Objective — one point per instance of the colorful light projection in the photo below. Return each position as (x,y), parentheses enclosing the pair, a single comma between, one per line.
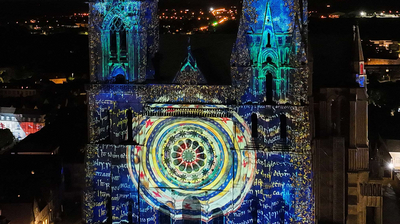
(21,129)
(279,192)
(118,52)
(184,157)
(270,44)
(190,168)
(193,161)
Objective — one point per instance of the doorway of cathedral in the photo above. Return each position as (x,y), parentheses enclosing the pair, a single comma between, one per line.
(191,210)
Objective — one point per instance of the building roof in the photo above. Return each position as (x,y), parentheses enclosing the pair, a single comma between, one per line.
(189,70)
(212,53)
(381,61)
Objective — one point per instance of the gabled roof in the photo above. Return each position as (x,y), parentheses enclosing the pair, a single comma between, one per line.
(212,54)
(189,73)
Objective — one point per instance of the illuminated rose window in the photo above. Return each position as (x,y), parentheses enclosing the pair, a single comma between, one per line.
(188,156)
(192,158)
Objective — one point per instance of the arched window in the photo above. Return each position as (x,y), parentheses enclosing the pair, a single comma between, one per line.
(113,42)
(123,41)
(117,39)
(283,123)
(254,124)
(269,40)
(268,87)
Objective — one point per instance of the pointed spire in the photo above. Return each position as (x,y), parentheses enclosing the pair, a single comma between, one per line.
(358,51)
(189,73)
(358,58)
(189,59)
(189,46)
(268,16)
(268,28)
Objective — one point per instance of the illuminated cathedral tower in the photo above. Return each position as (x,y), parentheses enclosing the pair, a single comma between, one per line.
(123,39)
(189,152)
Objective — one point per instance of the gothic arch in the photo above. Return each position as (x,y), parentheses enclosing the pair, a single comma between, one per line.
(118,70)
(270,69)
(118,13)
(269,53)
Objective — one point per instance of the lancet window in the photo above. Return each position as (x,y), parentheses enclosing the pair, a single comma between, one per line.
(118,45)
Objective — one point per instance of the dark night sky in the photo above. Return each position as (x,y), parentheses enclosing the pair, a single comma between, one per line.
(14,9)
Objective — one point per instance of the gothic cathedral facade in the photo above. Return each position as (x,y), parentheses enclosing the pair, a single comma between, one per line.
(189,152)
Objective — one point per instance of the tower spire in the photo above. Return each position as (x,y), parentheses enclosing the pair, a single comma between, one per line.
(268,29)
(189,72)
(358,58)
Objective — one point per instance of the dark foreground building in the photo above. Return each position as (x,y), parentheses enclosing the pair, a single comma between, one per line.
(192,150)
(346,184)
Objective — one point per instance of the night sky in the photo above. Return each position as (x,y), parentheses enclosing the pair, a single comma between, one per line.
(21,9)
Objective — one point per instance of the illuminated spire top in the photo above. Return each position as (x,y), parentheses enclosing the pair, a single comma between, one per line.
(189,73)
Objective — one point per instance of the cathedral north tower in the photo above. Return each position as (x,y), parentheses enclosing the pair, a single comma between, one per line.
(123,39)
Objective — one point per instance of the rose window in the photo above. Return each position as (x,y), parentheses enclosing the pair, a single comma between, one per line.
(188,156)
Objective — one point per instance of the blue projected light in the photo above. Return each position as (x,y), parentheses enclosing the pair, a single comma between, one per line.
(193,152)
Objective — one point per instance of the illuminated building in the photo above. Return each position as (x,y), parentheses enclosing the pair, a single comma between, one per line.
(16,91)
(21,122)
(58,80)
(385,63)
(191,152)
